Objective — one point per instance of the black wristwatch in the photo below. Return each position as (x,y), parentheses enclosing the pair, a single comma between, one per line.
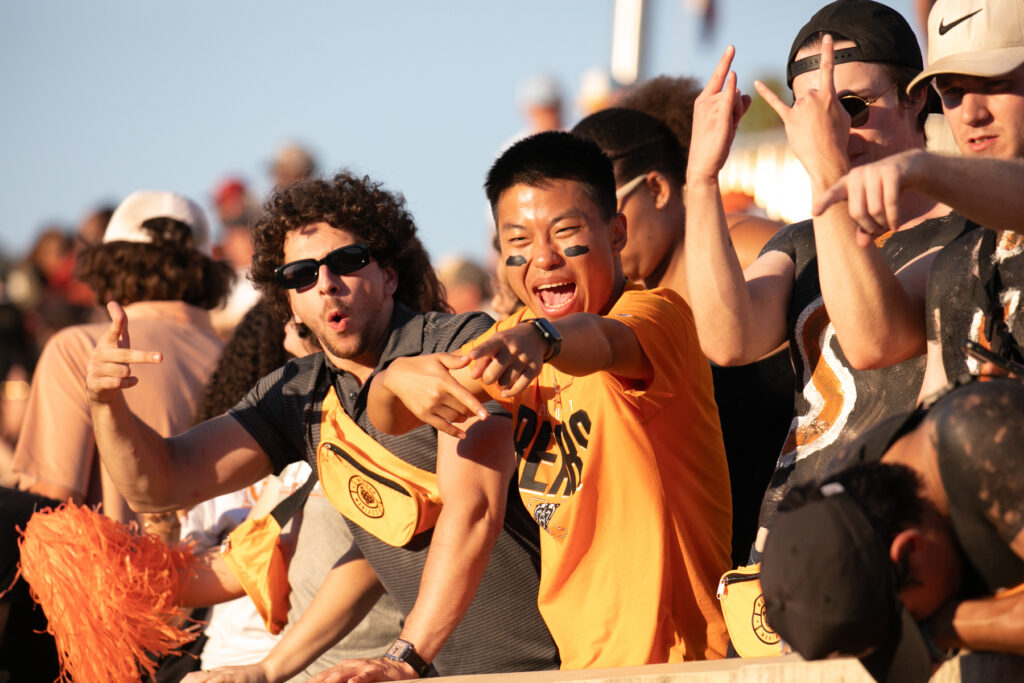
(404,651)
(549,334)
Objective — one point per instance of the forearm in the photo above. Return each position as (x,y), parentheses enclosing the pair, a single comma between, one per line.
(472,476)
(593,343)
(135,456)
(987,191)
(992,624)
(346,596)
(723,308)
(386,411)
(212,582)
(459,553)
(877,321)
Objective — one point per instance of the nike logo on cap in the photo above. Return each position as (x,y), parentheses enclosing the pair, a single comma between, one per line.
(944,27)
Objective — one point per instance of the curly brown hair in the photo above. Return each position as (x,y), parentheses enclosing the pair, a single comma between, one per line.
(361,207)
(670,100)
(256,349)
(167,269)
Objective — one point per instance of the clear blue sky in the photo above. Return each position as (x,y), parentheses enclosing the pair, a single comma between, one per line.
(101,98)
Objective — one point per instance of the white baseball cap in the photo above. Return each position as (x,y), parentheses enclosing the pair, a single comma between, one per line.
(126,223)
(974,37)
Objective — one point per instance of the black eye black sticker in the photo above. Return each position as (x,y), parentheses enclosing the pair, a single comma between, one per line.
(578,250)
(515,261)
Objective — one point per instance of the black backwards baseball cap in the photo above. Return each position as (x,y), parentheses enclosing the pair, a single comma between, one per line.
(881,34)
(830,589)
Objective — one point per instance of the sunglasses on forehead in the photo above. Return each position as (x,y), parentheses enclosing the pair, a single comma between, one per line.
(858,108)
(341,261)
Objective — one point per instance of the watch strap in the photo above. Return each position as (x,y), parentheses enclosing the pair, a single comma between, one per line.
(404,651)
(550,335)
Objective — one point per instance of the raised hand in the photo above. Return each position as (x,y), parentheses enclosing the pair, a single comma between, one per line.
(429,391)
(716,114)
(109,369)
(510,358)
(817,126)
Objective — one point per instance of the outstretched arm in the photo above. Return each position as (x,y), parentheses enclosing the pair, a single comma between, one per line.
(878,318)
(740,315)
(155,474)
(443,389)
(986,191)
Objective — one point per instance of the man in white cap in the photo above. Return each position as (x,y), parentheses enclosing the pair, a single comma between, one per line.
(154,260)
(976,64)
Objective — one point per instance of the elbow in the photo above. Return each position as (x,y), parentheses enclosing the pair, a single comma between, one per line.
(726,355)
(871,357)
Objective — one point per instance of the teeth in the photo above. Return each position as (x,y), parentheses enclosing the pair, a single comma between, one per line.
(552,285)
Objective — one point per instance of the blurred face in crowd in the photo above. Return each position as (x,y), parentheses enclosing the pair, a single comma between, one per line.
(348,314)
(986,115)
(653,231)
(890,127)
(560,255)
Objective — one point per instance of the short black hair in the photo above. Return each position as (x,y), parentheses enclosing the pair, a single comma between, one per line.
(554,155)
(888,494)
(636,143)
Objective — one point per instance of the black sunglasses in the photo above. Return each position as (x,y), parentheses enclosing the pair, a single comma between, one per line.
(858,108)
(340,262)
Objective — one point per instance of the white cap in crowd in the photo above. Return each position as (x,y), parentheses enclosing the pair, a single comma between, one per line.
(126,223)
(974,37)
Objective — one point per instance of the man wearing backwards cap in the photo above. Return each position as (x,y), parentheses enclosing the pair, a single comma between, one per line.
(976,64)
(916,547)
(154,260)
(814,282)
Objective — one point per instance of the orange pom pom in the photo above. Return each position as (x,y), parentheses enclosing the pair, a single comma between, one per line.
(107,591)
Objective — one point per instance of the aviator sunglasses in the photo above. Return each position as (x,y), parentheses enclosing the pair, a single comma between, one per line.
(858,108)
(340,262)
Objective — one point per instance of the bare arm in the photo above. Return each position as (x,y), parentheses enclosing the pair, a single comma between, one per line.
(740,316)
(877,321)
(155,474)
(995,624)
(443,389)
(347,594)
(987,191)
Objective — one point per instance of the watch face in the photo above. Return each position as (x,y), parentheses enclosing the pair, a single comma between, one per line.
(398,650)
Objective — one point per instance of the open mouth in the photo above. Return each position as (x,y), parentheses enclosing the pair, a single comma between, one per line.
(336,320)
(555,296)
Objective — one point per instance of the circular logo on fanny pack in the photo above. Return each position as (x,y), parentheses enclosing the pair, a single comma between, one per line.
(759,621)
(365,496)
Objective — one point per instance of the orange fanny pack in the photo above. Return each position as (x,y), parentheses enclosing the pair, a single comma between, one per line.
(253,553)
(369,484)
(739,593)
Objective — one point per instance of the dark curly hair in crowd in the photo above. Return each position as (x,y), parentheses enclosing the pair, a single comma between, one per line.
(167,269)
(637,143)
(361,207)
(256,349)
(670,100)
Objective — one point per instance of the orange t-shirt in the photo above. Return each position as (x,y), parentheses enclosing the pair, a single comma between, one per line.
(631,486)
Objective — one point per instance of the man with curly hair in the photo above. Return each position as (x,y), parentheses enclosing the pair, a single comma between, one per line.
(342,258)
